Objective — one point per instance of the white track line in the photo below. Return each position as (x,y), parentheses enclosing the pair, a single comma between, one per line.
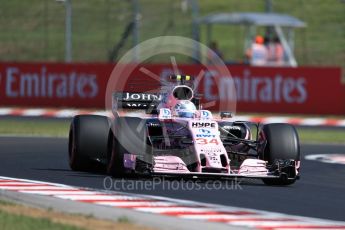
(217,216)
(170,207)
(69,113)
(35,188)
(95,197)
(57,192)
(133,203)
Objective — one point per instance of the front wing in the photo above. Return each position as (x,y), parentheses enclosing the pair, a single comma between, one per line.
(195,175)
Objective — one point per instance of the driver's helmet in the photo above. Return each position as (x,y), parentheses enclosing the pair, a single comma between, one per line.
(185,108)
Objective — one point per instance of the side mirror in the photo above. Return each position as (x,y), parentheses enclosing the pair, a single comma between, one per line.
(152,111)
(226,115)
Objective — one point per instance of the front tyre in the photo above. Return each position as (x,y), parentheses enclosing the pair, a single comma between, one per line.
(129,137)
(88,138)
(282,147)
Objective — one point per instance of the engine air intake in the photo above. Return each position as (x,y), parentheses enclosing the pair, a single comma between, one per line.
(183,93)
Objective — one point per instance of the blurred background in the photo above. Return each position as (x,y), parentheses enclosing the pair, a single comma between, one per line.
(103,30)
(56,57)
(60,53)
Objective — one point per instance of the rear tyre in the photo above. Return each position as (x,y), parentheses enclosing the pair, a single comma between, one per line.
(88,138)
(128,137)
(282,144)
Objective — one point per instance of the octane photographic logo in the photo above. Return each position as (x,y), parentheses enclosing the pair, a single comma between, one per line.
(169,46)
(163,184)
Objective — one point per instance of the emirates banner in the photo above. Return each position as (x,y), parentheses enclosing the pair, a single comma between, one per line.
(302,90)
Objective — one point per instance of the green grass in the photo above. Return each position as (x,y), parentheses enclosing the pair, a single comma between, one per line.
(317,135)
(123,219)
(321,135)
(15,216)
(57,128)
(60,128)
(19,222)
(34,30)
(5,202)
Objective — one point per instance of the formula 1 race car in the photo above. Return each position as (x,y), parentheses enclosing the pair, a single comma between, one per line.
(175,137)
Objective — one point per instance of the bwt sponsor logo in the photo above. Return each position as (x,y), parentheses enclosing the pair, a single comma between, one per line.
(249,88)
(205,133)
(43,84)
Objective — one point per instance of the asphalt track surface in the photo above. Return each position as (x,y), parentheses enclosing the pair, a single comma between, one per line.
(320,193)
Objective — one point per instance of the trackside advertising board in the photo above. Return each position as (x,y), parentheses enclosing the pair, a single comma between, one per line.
(302,90)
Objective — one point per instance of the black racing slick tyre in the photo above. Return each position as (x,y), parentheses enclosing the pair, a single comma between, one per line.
(282,143)
(88,139)
(128,136)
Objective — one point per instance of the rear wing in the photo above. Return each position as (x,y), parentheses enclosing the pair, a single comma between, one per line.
(141,101)
(136,101)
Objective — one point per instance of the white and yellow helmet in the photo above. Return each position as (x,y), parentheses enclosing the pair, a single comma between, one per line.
(185,108)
